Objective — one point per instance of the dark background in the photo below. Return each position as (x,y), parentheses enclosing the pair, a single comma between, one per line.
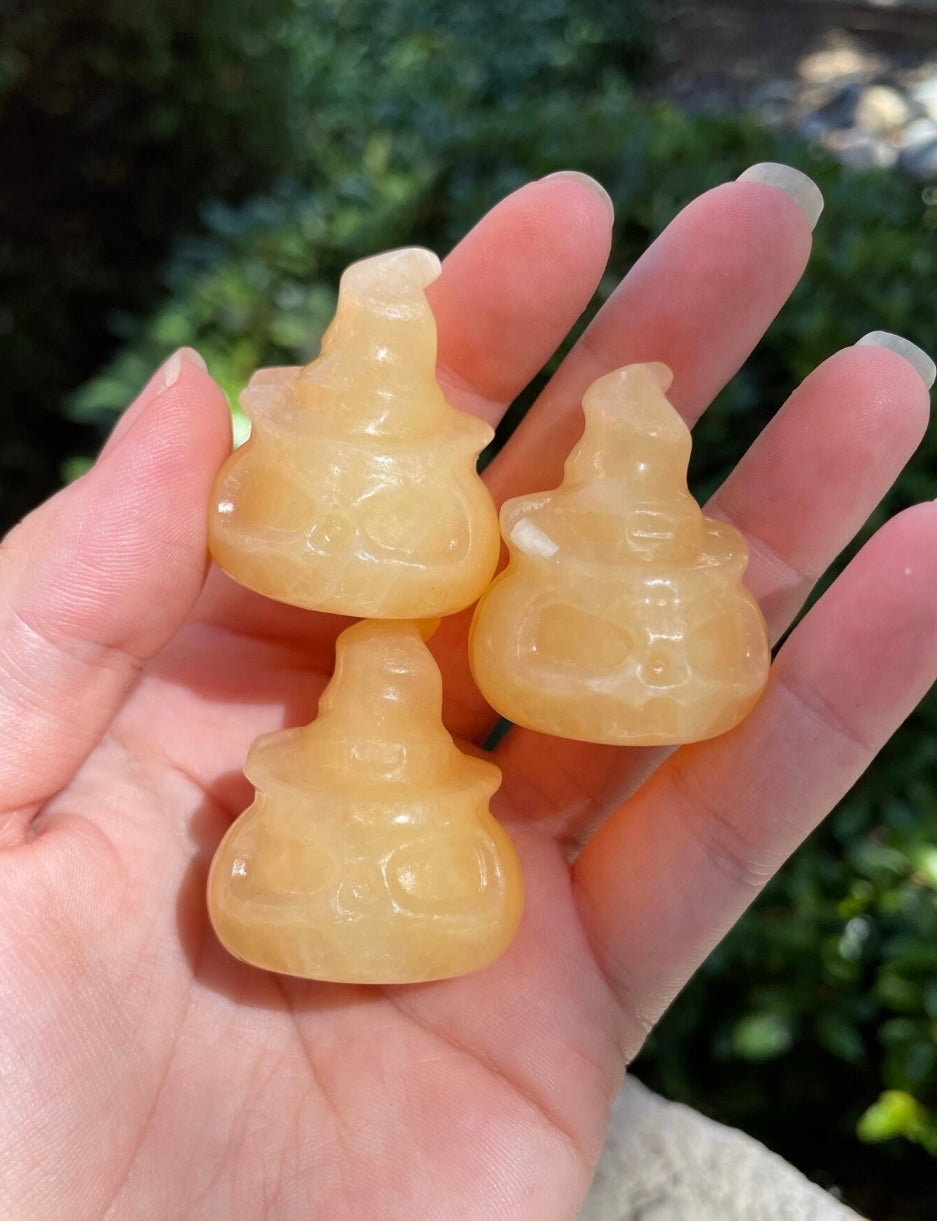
(202,173)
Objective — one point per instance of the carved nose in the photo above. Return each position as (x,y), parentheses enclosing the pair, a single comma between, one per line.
(664,668)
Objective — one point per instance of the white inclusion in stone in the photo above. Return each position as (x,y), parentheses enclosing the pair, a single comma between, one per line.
(611,683)
(226,506)
(531,539)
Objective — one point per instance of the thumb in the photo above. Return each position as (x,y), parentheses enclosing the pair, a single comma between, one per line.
(96,580)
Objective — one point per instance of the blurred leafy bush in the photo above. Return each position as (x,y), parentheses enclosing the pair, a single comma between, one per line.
(814,1024)
(118,120)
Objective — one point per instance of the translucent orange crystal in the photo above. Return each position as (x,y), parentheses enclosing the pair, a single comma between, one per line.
(369,854)
(357,492)
(621,617)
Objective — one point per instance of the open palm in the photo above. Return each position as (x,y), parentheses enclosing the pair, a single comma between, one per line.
(145,1073)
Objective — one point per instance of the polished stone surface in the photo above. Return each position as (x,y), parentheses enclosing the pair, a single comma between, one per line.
(357,491)
(369,854)
(621,617)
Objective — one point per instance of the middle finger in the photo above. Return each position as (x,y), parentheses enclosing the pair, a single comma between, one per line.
(699,300)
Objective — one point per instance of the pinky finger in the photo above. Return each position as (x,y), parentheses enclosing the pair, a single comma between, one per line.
(670,872)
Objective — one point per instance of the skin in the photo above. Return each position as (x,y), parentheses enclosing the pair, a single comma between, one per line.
(141,1067)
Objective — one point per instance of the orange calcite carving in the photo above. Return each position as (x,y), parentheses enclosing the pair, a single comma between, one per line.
(621,616)
(357,492)
(369,854)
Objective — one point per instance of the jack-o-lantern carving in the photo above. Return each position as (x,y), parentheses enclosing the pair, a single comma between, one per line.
(357,491)
(369,854)
(621,617)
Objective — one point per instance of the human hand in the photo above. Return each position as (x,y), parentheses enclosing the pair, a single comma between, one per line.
(143,1071)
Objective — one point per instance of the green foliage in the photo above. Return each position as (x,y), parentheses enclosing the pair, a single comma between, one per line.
(894,1114)
(405,119)
(402,123)
(834,973)
(116,121)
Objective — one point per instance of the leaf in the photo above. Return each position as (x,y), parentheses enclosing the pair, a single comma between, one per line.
(895,1113)
(762,1036)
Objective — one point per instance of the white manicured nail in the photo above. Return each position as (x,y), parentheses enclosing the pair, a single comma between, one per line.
(904,347)
(803,190)
(173,366)
(585,180)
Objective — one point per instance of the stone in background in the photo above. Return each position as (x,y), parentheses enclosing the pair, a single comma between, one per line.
(858,79)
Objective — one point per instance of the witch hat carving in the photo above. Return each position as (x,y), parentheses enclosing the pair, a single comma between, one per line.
(621,616)
(369,854)
(357,492)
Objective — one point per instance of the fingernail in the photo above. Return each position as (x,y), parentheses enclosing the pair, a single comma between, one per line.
(904,347)
(173,366)
(803,190)
(165,376)
(585,180)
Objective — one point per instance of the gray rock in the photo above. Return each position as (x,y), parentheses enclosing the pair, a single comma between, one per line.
(664,1162)
(924,94)
(841,63)
(772,102)
(812,127)
(861,151)
(881,110)
(921,161)
(840,110)
(919,149)
(918,133)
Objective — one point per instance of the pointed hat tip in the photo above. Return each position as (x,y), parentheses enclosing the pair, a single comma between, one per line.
(633,399)
(629,381)
(382,658)
(410,267)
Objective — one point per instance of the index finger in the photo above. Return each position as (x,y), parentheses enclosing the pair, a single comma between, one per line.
(512,288)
